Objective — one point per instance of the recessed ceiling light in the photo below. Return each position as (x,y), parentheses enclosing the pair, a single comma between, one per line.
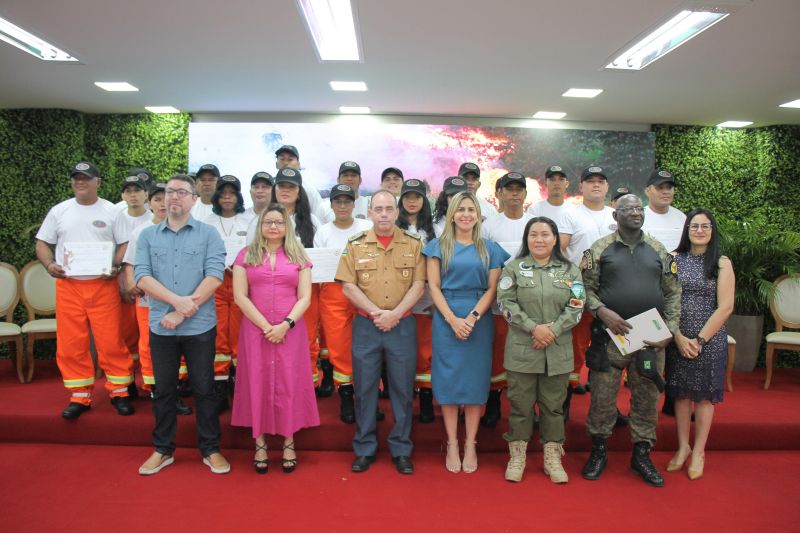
(665,38)
(582,93)
(116,86)
(161,109)
(332,28)
(348,86)
(793,103)
(354,110)
(549,115)
(27,42)
(734,124)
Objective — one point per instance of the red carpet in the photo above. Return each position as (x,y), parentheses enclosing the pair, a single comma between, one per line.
(749,418)
(95,488)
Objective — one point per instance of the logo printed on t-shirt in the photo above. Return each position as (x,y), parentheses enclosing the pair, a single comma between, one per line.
(99,224)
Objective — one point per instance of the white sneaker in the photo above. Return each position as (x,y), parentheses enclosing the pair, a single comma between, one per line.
(166,460)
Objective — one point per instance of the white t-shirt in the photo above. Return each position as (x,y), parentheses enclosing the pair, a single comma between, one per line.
(666,228)
(556,213)
(233,231)
(201,211)
(500,228)
(438,227)
(130,251)
(588,226)
(487,209)
(425,302)
(361,208)
(70,221)
(330,236)
(123,205)
(124,224)
(319,206)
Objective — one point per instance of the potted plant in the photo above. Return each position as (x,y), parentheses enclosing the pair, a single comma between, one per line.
(760,253)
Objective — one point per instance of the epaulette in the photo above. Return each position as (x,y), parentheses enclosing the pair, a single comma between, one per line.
(414,235)
(357,236)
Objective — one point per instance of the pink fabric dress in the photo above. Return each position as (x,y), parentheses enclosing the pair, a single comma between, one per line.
(274,391)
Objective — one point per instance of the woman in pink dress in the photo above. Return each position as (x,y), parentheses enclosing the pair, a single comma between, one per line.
(272,287)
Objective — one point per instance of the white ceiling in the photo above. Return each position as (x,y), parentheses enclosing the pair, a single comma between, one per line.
(501,58)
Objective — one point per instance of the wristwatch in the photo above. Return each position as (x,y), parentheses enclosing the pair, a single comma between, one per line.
(701,341)
(289,321)
(476,314)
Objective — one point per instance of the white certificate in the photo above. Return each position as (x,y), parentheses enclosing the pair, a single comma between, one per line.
(647,326)
(511,247)
(233,245)
(88,258)
(325,261)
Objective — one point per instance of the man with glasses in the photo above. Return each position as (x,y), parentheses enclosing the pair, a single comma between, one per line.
(179,264)
(626,273)
(382,272)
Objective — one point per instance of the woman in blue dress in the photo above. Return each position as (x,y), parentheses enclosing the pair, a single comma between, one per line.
(463,270)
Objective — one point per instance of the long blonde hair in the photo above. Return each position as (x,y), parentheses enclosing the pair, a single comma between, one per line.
(293,248)
(447,241)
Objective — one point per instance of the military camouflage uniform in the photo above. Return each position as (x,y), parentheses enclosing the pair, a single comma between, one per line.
(629,279)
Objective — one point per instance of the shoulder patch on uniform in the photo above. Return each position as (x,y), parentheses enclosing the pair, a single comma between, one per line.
(586,261)
(357,236)
(505,283)
(670,265)
(414,235)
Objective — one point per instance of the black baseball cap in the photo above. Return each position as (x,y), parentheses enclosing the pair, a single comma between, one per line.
(660,176)
(454,185)
(469,168)
(620,192)
(513,177)
(413,185)
(349,166)
(289,175)
(142,173)
(156,187)
(263,176)
(288,148)
(554,169)
(85,168)
(208,167)
(342,190)
(136,181)
(392,169)
(593,170)
(227,179)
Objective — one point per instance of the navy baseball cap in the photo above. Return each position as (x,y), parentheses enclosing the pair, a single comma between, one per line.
(342,190)
(227,179)
(513,177)
(413,185)
(262,176)
(469,168)
(392,169)
(289,175)
(85,168)
(136,181)
(554,169)
(660,176)
(454,185)
(620,192)
(208,167)
(349,166)
(288,148)
(155,188)
(593,170)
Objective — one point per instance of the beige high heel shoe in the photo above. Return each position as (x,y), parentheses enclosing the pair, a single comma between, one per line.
(676,463)
(694,472)
(453,465)
(472,465)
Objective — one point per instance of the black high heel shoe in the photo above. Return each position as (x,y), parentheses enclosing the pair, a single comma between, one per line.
(288,465)
(261,466)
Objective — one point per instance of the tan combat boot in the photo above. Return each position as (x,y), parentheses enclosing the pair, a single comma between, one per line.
(553,452)
(516,464)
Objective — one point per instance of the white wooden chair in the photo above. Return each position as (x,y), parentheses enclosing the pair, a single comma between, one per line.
(785,308)
(9,298)
(39,297)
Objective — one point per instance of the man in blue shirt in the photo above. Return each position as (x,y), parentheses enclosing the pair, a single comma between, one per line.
(179,264)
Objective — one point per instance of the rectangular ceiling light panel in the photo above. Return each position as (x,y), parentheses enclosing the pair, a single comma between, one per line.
(793,103)
(549,115)
(27,42)
(116,86)
(734,124)
(665,39)
(354,110)
(332,27)
(161,109)
(582,93)
(348,86)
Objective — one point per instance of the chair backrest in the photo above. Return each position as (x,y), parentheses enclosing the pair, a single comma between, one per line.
(38,290)
(785,306)
(9,291)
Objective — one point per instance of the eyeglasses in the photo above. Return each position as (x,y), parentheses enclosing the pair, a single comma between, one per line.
(180,193)
(276,223)
(704,227)
(631,210)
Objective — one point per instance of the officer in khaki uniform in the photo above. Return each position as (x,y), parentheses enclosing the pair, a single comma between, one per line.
(626,273)
(383,274)
(532,294)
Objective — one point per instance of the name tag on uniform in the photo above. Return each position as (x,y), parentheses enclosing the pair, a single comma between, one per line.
(526,273)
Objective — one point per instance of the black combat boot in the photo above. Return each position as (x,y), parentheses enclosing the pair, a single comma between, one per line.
(598,459)
(221,392)
(426,406)
(642,465)
(347,410)
(491,416)
(325,388)
(567,401)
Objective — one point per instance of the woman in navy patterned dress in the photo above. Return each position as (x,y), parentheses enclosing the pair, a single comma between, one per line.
(696,369)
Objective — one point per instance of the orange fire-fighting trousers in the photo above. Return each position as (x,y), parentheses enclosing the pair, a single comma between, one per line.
(129,328)
(336,325)
(311,317)
(145,357)
(498,379)
(424,350)
(80,303)
(229,321)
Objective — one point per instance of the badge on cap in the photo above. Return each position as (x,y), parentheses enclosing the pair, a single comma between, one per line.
(471,166)
(458,181)
(595,169)
(345,188)
(288,172)
(207,167)
(515,176)
(82,166)
(349,164)
(132,179)
(228,178)
(556,168)
(664,174)
(413,183)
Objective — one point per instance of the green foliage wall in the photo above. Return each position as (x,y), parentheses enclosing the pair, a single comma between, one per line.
(38,147)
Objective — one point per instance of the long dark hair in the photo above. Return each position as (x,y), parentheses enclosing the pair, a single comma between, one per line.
(303,226)
(217,209)
(441,207)
(524,251)
(424,219)
(713,253)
